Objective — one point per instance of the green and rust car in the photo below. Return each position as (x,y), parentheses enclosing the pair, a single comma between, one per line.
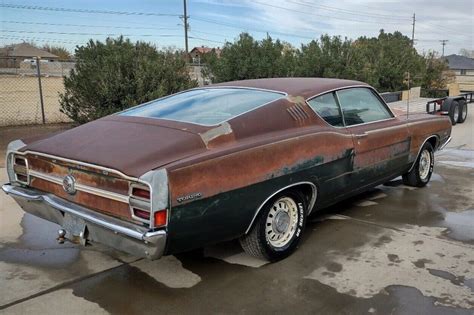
(248,160)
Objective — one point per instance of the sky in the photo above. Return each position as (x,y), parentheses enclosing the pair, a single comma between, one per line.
(213,22)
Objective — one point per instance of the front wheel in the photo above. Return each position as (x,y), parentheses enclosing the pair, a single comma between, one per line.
(278,227)
(421,172)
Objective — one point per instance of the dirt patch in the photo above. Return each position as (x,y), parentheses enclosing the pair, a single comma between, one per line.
(20,100)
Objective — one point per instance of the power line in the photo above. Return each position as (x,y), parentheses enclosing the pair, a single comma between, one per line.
(446,28)
(452,32)
(212,34)
(315,14)
(455,38)
(235,26)
(351,12)
(90,34)
(34,7)
(41,39)
(88,25)
(206,40)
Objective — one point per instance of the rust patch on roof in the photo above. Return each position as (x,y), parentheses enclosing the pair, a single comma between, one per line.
(222,130)
(296,99)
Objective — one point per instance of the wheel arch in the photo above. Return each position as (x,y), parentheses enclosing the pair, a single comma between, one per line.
(307,188)
(433,140)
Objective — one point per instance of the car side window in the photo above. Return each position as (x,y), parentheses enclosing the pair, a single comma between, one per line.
(361,105)
(326,106)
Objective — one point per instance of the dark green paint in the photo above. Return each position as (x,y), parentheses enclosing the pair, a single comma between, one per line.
(227,215)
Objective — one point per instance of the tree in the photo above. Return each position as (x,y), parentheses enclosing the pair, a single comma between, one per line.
(248,58)
(437,74)
(59,51)
(381,61)
(112,76)
(466,52)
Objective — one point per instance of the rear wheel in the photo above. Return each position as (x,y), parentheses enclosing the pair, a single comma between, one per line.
(421,172)
(278,227)
(454,112)
(462,111)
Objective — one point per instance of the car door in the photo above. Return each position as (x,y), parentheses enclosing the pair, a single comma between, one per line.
(381,140)
(336,175)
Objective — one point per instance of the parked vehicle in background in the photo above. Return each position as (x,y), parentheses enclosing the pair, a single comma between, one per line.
(247,159)
(454,107)
(33,61)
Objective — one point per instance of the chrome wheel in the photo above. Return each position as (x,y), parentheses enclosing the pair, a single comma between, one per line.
(424,164)
(456,113)
(281,222)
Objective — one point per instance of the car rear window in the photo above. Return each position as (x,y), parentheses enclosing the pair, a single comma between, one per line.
(206,106)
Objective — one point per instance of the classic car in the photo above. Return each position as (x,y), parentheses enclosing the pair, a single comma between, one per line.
(247,160)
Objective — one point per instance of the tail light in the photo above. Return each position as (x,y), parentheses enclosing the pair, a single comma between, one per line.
(139,200)
(141,214)
(141,193)
(20,169)
(140,206)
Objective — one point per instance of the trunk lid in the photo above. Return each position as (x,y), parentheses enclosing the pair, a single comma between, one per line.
(132,145)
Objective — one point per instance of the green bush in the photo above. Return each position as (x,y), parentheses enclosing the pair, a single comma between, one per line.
(112,76)
(381,61)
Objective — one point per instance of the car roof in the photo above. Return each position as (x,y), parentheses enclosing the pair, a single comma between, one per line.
(305,87)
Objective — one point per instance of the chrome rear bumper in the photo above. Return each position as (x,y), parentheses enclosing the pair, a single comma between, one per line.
(121,235)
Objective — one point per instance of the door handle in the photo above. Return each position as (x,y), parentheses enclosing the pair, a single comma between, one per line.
(362,135)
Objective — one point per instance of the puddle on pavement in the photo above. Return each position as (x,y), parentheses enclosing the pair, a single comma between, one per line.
(448,276)
(414,257)
(409,300)
(447,201)
(237,289)
(456,158)
(38,247)
(460,225)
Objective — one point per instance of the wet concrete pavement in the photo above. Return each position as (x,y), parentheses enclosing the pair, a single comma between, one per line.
(395,249)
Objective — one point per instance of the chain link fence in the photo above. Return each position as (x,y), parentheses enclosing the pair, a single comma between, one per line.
(29,91)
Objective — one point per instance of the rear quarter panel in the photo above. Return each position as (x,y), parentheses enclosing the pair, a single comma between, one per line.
(422,126)
(231,186)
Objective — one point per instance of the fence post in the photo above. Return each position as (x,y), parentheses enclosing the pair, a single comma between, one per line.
(38,71)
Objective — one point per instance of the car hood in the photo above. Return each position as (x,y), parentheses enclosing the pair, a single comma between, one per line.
(131,145)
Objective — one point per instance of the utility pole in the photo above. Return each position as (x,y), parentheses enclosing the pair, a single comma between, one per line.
(185,20)
(413,32)
(443,42)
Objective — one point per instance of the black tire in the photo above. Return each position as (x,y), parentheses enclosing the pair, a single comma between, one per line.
(452,112)
(256,243)
(414,177)
(462,111)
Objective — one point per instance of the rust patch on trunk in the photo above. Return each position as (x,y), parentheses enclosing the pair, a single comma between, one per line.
(93,202)
(83,175)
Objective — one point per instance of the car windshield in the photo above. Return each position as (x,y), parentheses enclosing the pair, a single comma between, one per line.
(206,106)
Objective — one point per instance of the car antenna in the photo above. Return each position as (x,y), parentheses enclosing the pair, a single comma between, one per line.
(408,98)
